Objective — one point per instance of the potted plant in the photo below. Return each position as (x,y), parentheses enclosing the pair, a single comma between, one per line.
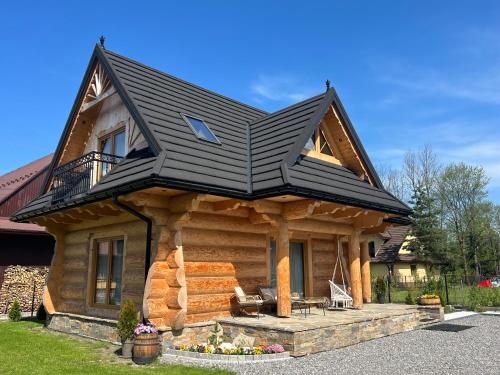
(146,344)
(380,289)
(127,322)
(429,299)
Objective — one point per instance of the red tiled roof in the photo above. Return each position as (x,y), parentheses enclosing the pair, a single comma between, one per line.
(8,226)
(14,180)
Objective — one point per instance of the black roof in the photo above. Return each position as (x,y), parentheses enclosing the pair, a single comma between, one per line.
(259,154)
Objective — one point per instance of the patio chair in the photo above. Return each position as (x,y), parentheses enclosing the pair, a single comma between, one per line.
(268,295)
(339,296)
(244,301)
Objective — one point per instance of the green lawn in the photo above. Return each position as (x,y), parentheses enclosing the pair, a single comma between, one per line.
(28,348)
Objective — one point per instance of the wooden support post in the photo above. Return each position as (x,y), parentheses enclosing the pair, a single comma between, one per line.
(365,273)
(283,271)
(355,271)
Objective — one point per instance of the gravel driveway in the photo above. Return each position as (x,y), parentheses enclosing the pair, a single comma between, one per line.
(472,351)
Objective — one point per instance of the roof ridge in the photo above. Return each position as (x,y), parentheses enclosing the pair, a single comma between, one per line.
(248,106)
(282,110)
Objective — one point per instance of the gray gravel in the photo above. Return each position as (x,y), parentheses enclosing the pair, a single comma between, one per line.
(472,351)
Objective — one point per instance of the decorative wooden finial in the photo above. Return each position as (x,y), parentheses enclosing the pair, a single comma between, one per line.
(101,40)
(327,83)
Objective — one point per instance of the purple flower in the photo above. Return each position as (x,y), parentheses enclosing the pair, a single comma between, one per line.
(275,348)
(145,328)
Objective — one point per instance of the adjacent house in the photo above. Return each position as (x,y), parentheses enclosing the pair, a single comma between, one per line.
(393,258)
(170,195)
(25,249)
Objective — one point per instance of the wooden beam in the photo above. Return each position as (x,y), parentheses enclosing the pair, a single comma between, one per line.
(230,204)
(89,105)
(355,270)
(379,229)
(347,213)
(365,273)
(327,208)
(283,271)
(315,226)
(185,202)
(299,209)
(368,219)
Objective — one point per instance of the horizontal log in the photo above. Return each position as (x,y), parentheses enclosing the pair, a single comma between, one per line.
(75,292)
(209,303)
(226,223)
(156,288)
(204,317)
(75,264)
(155,308)
(176,298)
(323,245)
(224,254)
(218,269)
(75,277)
(219,285)
(321,257)
(317,226)
(202,237)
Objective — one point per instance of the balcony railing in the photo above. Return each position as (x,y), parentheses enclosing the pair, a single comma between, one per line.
(79,175)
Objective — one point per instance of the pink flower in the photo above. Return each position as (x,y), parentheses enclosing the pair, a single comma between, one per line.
(145,328)
(275,348)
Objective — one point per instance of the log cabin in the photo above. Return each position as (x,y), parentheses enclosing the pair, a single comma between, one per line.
(170,195)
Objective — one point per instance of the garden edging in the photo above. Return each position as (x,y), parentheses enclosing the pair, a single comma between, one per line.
(224,358)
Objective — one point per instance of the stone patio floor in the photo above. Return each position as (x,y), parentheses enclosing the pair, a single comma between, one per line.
(297,322)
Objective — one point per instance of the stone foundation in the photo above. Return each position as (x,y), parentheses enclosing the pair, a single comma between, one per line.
(84,326)
(313,334)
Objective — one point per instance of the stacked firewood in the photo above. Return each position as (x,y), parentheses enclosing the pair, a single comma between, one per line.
(24,283)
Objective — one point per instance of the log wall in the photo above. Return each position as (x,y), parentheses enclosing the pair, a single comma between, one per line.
(217,260)
(74,291)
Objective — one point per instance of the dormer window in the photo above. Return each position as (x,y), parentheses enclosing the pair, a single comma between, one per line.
(113,143)
(200,129)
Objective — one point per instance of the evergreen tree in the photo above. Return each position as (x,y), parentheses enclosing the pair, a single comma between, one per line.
(427,238)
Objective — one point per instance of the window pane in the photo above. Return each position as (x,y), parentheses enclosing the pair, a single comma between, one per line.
(309,145)
(201,129)
(106,146)
(119,144)
(115,290)
(101,272)
(106,149)
(273,263)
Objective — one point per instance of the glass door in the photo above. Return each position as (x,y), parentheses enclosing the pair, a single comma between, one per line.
(297,268)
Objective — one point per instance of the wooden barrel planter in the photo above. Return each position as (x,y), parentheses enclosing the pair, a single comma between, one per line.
(429,301)
(146,348)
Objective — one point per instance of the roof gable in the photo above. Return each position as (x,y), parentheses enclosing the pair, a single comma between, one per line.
(98,77)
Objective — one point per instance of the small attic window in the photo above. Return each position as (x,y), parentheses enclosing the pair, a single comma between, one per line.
(200,129)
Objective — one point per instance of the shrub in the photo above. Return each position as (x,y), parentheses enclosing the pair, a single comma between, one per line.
(41,314)
(409,300)
(127,320)
(15,311)
(380,286)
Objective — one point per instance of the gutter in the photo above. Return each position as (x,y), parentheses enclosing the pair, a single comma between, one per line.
(149,225)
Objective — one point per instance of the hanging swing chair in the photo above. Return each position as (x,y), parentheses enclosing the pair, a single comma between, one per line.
(338,292)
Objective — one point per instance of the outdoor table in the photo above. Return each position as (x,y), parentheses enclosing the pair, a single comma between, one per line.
(305,303)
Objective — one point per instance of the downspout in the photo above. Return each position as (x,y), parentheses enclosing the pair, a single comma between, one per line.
(149,225)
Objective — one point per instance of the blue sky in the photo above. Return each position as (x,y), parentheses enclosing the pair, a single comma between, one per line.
(409,73)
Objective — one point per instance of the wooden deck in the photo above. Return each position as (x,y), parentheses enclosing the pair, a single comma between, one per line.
(338,328)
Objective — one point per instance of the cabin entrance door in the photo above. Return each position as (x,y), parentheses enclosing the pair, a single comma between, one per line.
(297,268)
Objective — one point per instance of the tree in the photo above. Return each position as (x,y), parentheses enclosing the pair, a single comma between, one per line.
(427,237)
(462,191)
(393,181)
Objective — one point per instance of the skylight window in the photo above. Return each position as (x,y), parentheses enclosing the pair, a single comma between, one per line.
(200,129)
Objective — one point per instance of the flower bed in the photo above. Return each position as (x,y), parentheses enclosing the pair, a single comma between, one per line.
(228,353)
